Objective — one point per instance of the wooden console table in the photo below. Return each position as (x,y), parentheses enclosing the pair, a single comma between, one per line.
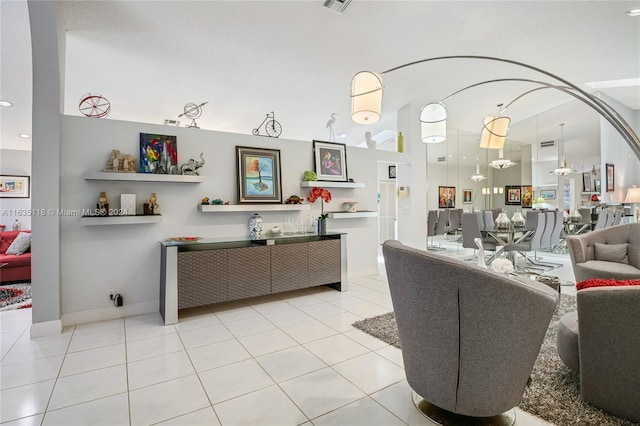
(214,270)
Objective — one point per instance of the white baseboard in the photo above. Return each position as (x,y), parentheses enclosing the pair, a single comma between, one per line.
(83,317)
(364,272)
(48,328)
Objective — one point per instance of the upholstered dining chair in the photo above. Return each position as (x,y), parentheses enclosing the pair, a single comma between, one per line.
(487,216)
(558,225)
(469,336)
(611,216)
(535,221)
(602,219)
(443,221)
(432,221)
(471,231)
(549,224)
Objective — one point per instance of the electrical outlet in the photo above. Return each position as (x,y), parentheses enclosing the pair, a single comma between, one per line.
(111,293)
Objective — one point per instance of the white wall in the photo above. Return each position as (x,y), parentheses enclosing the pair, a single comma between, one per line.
(15,162)
(127,257)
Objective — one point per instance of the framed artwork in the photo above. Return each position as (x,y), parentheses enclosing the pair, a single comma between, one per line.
(158,154)
(330,161)
(611,183)
(526,197)
(548,194)
(259,178)
(586,182)
(14,186)
(446,197)
(596,185)
(512,195)
(392,172)
(467,196)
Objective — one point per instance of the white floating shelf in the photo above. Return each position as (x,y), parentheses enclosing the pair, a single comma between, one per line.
(211,208)
(120,220)
(142,177)
(316,183)
(347,215)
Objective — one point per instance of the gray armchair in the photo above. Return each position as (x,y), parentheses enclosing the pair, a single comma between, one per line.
(469,336)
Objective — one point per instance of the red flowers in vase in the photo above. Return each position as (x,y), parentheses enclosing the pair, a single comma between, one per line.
(324,195)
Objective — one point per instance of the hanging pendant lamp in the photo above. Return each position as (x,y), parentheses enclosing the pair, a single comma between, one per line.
(494,132)
(433,119)
(562,169)
(366,97)
(501,163)
(477,177)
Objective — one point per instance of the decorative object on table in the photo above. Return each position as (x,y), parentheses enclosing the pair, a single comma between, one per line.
(276,230)
(192,111)
(309,176)
(128,204)
(400,142)
(102,205)
(502,265)
(330,161)
(595,197)
(518,219)
(226,203)
(205,200)
(502,221)
(271,126)
(94,105)
(255,226)
(596,185)
(294,199)
(371,144)
(191,167)
(259,179)
(16,225)
(121,163)
(586,182)
(14,186)
(158,154)
(446,197)
(392,172)
(480,246)
(332,135)
(512,195)
(325,196)
(349,206)
(217,202)
(575,216)
(526,197)
(548,194)
(467,196)
(611,186)
(149,208)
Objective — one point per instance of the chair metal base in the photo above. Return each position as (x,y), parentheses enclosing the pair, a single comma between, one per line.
(447,418)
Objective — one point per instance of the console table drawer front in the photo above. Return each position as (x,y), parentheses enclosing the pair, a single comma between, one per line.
(249,272)
(324,262)
(289,267)
(202,278)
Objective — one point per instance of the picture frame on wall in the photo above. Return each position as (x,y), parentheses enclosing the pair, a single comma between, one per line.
(548,194)
(611,182)
(467,196)
(12,186)
(259,175)
(159,154)
(392,172)
(526,197)
(513,195)
(330,161)
(447,197)
(586,182)
(596,185)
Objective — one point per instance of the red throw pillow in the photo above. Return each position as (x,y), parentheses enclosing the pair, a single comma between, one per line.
(601,282)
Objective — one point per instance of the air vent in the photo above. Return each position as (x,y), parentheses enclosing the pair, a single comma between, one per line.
(442,159)
(548,144)
(337,5)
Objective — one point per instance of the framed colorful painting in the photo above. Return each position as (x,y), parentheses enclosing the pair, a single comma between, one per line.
(446,197)
(14,186)
(259,177)
(330,161)
(467,196)
(158,154)
(611,182)
(526,197)
(512,195)
(548,194)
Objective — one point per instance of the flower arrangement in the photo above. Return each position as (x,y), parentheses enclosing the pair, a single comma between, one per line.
(324,195)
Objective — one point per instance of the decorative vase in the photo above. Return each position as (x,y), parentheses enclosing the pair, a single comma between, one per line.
(17,225)
(400,142)
(349,206)
(322,226)
(502,221)
(575,216)
(518,219)
(255,226)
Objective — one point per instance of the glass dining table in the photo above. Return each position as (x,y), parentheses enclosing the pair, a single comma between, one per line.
(505,237)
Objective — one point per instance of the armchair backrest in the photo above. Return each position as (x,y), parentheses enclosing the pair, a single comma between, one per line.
(469,336)
(581,247)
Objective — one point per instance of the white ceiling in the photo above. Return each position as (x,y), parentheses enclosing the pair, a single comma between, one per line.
(248,58)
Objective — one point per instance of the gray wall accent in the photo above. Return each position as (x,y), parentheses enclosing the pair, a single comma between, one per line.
(15,162)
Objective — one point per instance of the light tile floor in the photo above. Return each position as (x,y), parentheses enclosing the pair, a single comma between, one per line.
(292,358)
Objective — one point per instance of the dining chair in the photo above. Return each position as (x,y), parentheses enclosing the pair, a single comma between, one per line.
(455,221)
(487,216)
(617,217)
(550,222)
(443,222)
(535,221)
(610,218)
(432,221)
(557,229)
(471,231)
(602,220)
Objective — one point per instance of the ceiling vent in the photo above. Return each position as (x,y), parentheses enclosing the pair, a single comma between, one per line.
(442,159)
(337,5)
(548,144)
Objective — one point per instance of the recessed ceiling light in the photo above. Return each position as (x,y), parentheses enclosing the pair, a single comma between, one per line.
(633,12)
(5,103)
(24,135)
(343,135)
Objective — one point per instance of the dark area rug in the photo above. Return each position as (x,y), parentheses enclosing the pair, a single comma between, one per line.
(554,393)
(15,296)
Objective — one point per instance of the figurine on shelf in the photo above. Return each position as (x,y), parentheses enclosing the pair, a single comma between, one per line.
(149,208)
(191,167)
(103,205)
(217,202)
(120,163)
(226,203)
(205,200)
(294,199)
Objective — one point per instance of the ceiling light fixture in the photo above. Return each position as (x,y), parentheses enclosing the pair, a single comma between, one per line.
(433,120)
(24,135)
(477,177)
(562,169)
(633,12)
(366,95)
(501,163)
(5,103)
(494,131)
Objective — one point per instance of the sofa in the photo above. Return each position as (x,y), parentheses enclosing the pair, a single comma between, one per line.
(18,267)
(612,252)
(599,341)
(469,336)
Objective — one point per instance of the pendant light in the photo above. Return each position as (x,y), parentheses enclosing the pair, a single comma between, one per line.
(494,131)
(433,123)
(562,169)
(366,97)
(501,163)
(477,177)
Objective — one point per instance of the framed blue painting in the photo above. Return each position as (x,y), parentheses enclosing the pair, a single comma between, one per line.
(259,178)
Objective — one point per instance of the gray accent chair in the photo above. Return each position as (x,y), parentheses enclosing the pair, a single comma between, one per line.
(469,336)
(599,341)
(535,221)
(590,256)
(602,220)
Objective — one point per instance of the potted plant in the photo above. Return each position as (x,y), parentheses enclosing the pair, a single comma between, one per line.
(326,197)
